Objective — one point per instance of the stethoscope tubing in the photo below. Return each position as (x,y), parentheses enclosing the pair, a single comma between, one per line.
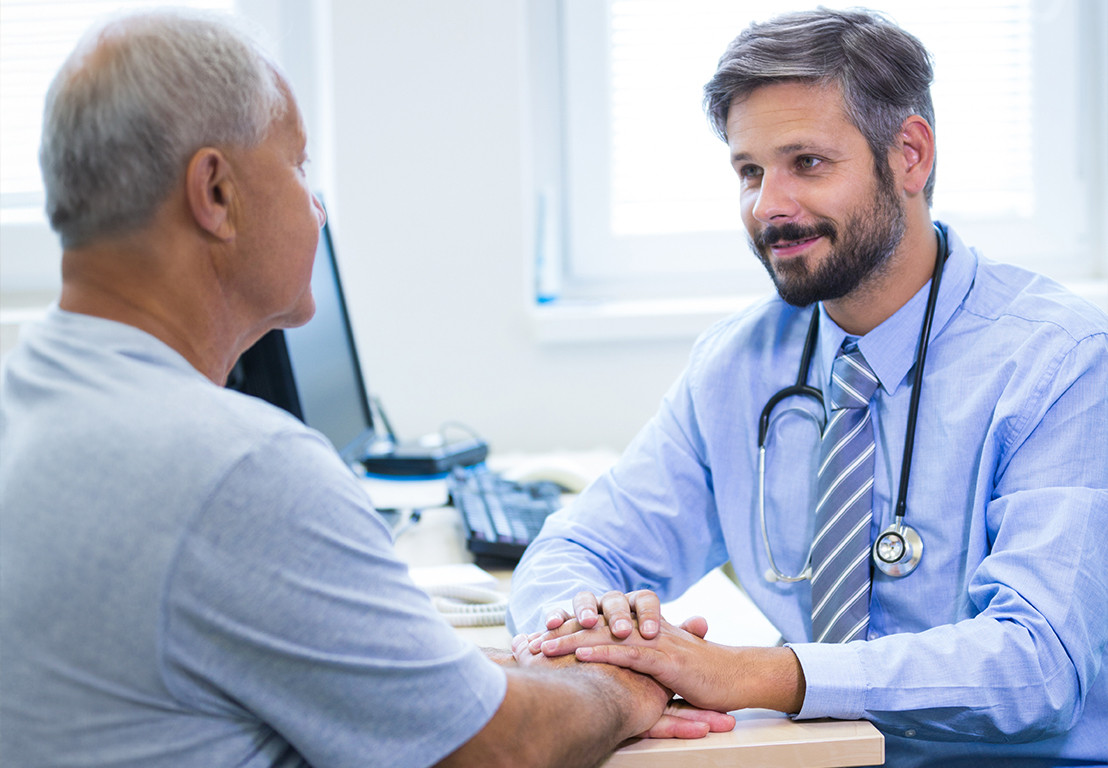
(802,389)
(917,385)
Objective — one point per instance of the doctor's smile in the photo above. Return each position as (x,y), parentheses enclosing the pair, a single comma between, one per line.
(793,239)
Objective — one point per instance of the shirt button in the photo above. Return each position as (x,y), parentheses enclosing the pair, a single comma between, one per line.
(910,732)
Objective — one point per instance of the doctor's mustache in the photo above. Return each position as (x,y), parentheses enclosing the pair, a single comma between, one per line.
(792,232)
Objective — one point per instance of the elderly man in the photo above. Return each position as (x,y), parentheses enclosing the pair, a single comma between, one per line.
(938,566)
(191,577)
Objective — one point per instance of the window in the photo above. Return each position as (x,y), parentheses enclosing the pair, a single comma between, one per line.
(651,203)
(36,36)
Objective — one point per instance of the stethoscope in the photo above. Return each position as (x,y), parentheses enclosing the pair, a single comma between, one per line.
(898,549)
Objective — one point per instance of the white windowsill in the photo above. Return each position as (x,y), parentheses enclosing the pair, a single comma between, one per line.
(569,322)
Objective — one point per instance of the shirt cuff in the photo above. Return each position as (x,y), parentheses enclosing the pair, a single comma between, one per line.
(834,681)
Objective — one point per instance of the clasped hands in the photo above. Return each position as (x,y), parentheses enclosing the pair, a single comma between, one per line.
(627,630)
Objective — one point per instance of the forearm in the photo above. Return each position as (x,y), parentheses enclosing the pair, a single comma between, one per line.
(620,551)
(649,523)
(574,715)
(552,571)
(595,704)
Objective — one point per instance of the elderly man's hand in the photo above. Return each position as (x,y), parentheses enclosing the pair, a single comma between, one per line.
(679,720)
(621,611)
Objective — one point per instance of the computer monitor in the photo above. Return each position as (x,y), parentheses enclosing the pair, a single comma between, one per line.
(313,372)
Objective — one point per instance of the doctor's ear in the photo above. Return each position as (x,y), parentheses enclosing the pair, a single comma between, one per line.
(210,191)
(913,153)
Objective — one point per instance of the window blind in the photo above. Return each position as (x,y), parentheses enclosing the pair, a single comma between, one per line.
(669,173)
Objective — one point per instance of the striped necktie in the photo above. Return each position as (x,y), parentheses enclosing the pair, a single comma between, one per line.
(840,550)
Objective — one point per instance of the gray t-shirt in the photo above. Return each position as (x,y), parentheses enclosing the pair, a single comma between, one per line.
(191,577)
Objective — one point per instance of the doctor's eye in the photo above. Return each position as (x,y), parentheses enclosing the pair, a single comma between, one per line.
(749,172)
(808,162)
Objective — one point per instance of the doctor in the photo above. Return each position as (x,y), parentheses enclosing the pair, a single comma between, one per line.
(976,631)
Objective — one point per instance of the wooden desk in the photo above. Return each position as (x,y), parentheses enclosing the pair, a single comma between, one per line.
(760,737)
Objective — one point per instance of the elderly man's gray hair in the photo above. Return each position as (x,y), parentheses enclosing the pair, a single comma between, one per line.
(134,101)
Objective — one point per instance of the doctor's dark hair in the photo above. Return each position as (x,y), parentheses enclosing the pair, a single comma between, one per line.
(883,72)
(131,105)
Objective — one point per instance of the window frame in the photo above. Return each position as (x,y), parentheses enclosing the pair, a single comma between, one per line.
(30,269)
(594,266)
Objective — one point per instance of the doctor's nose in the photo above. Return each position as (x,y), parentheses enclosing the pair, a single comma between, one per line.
(775,202)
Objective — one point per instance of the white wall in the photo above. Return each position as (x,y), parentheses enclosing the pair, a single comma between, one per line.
(431,210)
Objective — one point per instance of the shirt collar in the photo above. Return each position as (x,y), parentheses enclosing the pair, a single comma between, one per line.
(890,348)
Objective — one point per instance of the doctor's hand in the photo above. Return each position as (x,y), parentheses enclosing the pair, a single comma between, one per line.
(623,613)
(707,675)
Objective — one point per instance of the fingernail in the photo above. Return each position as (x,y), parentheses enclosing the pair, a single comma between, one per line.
(623,625)
(649,627)
(584,653)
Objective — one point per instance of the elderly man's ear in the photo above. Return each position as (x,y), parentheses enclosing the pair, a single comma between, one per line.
(210,193)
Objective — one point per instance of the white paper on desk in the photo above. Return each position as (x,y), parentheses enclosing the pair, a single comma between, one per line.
(732,618)
(405,494)
(452,575)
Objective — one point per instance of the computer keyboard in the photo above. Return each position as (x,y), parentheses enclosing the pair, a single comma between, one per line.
(501,516)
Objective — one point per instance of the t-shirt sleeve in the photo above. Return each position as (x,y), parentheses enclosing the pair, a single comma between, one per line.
(286,604)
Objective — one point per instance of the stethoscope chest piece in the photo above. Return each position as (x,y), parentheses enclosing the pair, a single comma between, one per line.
(897,551)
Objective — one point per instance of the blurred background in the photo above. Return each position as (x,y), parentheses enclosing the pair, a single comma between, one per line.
(532,216)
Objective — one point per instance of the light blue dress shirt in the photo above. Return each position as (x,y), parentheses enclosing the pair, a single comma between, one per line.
(993,647)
